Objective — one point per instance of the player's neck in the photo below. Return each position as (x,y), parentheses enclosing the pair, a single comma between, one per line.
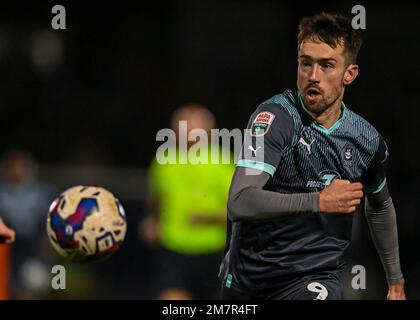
(330,115)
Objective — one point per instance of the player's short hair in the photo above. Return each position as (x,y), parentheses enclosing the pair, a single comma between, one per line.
(334,30)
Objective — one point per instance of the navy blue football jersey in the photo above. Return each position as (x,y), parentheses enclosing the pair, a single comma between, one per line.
(301,156)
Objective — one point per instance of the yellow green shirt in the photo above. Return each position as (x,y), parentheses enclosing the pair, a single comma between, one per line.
(185,189)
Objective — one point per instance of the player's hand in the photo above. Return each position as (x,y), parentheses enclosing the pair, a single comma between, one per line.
(396,292)
(341,196)
(7,235)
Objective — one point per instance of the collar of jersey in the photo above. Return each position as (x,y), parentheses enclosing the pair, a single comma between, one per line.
(320,127)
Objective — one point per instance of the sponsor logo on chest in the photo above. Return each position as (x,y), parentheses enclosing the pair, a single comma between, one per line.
(262,123)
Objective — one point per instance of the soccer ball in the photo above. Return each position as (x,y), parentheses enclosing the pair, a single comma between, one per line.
(86,224)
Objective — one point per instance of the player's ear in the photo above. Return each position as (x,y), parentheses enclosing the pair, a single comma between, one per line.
(350,74)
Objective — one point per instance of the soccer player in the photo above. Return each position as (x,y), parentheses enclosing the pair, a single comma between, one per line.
(306,163)
(7,235)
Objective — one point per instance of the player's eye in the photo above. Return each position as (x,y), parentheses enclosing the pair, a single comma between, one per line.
(305,64)
(327,66)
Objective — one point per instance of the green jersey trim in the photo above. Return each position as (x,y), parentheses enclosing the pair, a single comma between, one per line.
(257,165)
(380,187)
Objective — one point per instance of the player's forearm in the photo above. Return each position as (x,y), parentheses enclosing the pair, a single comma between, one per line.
(257,204)
(382,222)
(249,201)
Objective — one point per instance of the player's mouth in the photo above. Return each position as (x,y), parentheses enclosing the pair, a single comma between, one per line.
(312,94)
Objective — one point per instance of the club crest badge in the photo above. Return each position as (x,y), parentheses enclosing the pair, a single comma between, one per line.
(348,154)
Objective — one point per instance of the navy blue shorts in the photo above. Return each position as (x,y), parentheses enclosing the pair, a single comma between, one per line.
(311,287)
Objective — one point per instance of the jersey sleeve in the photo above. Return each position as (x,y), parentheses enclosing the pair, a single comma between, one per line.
(374,179)
(269,131)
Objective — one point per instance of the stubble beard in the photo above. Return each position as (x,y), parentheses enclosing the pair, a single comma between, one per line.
(324,103)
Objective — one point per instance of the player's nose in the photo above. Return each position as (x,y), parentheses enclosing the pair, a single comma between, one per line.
(313,74)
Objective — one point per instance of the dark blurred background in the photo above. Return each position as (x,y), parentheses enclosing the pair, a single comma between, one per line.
(87,101)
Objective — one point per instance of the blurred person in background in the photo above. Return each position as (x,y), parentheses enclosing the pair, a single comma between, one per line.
(24,203)
(187,215)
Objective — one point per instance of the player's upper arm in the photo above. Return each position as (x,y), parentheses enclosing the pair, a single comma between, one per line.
(270,131)
(374,179)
